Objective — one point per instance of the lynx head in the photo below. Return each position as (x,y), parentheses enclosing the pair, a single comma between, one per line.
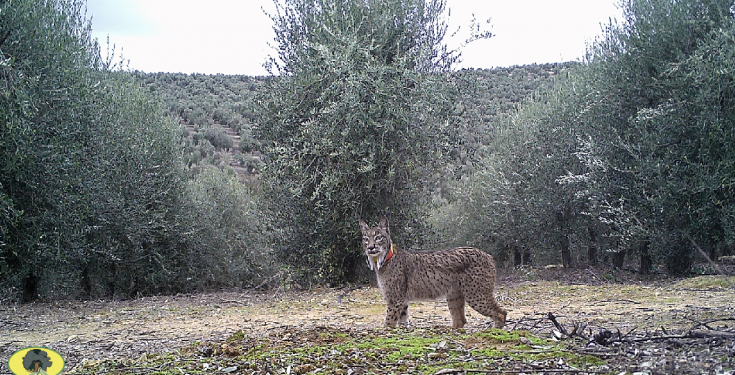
(376,243)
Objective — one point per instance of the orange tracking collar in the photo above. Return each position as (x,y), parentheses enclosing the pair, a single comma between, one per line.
(390,252)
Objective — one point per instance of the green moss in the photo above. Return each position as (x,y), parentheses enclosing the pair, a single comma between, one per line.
(706,282)
(237,336)
(585,360)
(397,347)
(332,336)
(505,337)
(420,351)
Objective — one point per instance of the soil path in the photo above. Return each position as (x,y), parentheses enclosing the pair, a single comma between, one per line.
(96,330)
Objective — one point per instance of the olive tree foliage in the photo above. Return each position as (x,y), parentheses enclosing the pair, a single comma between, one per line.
(630,153)
(34,34)
(659,126)
(90,180)
(226,232)
(357,124)
(513,204)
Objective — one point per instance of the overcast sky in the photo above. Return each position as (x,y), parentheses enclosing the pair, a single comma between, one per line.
(232,36)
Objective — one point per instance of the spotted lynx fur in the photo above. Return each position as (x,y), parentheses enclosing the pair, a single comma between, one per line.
(460,274)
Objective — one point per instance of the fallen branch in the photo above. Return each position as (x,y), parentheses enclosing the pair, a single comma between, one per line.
(578,329)
(603,337)
(700,334)
(704,254)
(528,327)
(706,322)
(607,337)
(558,325)
(620,300)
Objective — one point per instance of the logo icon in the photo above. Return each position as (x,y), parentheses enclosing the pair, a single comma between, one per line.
(36,361)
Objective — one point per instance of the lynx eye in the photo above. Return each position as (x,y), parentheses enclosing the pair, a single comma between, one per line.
(365,239)
(378,238)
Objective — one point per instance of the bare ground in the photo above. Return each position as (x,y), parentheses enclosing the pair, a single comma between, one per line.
(669,326)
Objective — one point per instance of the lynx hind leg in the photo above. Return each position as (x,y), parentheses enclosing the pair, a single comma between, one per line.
(455,300)
(481,299)
(491,309)
(396,313)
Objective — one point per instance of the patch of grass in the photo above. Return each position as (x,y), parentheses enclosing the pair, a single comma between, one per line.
(333,336)
(498,344)
(237,336)
(502,337)
(706,282)
(585,361)
(398,347)
(335,351)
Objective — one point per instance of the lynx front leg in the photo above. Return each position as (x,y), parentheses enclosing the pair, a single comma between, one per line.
(396,312)
(403,318)
(455,300)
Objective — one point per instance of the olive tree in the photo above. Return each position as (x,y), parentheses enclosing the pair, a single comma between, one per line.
(515,203)
(356,125)
(631,149)
(657,127)
(91,185)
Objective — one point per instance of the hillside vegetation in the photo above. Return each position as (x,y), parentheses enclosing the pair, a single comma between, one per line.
(207,106)
(118,184)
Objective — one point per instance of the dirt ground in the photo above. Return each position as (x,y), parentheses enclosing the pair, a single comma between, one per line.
(673,313)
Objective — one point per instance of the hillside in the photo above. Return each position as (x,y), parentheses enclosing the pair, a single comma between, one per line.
(492,96)
(217,112)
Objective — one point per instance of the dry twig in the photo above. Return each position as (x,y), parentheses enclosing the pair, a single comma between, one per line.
(578,329)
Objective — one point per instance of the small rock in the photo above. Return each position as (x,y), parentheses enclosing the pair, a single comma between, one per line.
(442,345)
(557,334)
(205,350)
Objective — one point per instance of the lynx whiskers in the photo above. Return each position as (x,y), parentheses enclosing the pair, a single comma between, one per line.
(462,274)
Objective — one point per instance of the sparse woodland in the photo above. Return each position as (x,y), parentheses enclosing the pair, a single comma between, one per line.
(120,184)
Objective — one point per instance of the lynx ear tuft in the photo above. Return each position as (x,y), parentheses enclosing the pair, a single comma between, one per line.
(384,224)
(363,226)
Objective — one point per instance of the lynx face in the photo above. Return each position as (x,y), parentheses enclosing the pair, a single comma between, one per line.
(376,243)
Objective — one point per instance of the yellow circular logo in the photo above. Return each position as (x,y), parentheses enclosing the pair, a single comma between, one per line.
(36,361)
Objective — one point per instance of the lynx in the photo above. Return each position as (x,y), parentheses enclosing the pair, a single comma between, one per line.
(460,274)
